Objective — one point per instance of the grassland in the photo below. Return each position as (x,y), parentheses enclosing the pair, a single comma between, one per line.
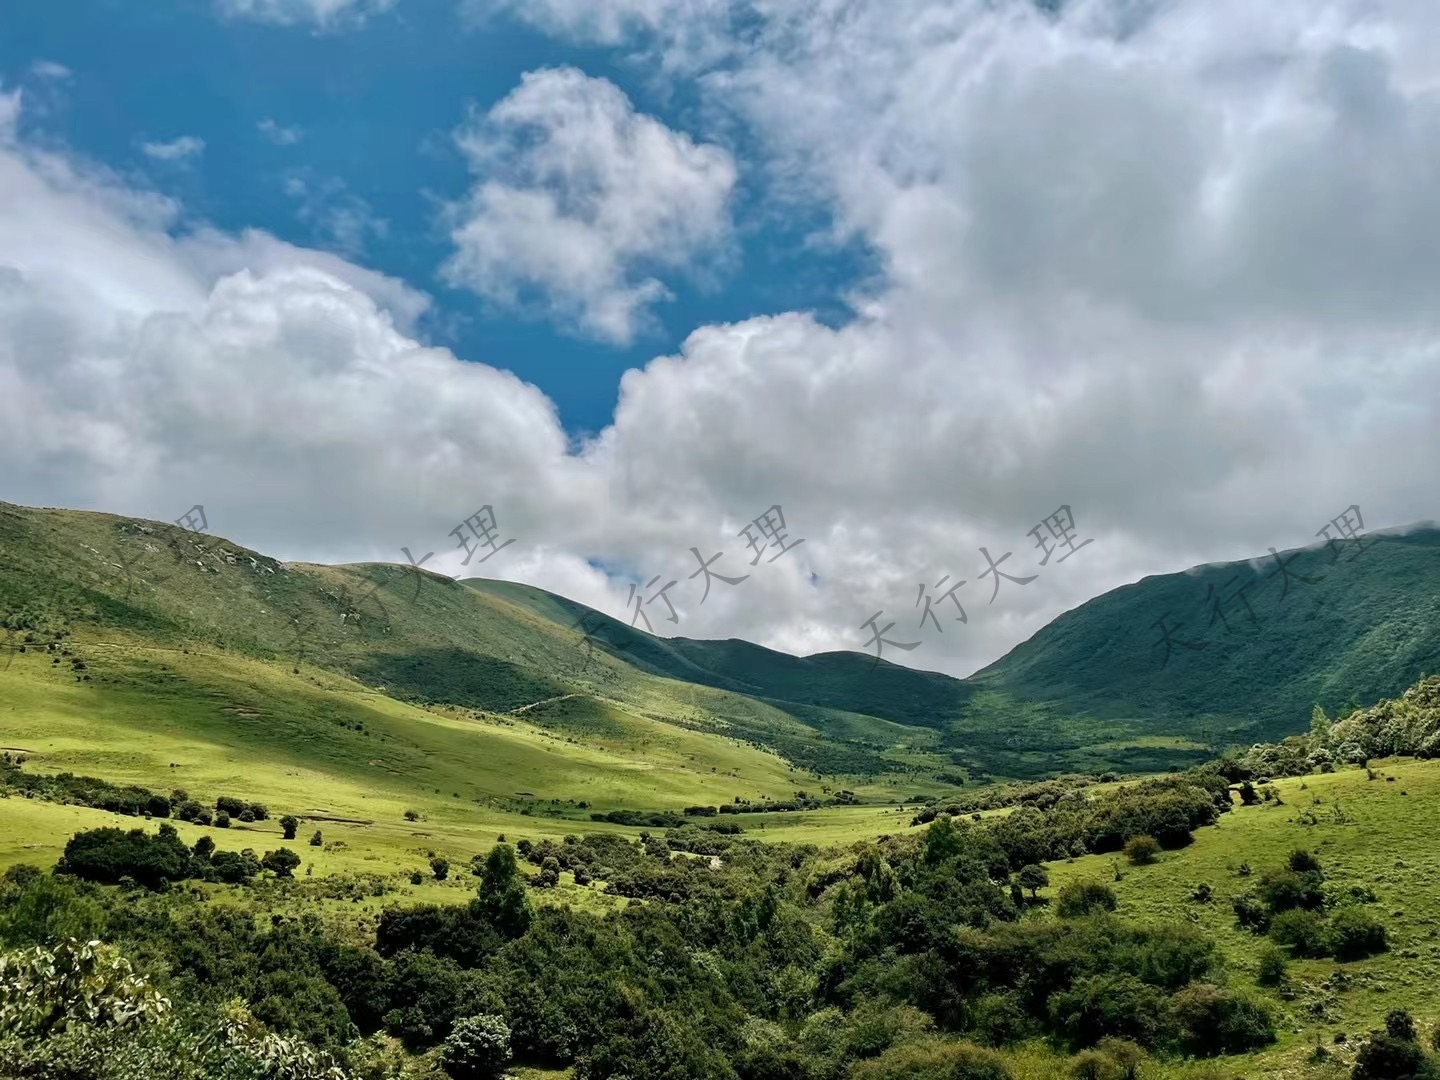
(1377,833)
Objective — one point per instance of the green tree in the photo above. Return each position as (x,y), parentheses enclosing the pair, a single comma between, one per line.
(440,867)
(317,839)
(942,840)
(1034,878)
(502,899)
(281,862)
(289,823)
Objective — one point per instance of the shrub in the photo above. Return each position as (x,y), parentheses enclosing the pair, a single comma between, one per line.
(1214,1021)
(1399,1024)
(1141,850)
(440,867)
(222,820)
(259,811)
(230,805)
(233,868)
(412,814)
(106,855)
(1285,889)
(247,815)
(1083,897)
(1113,1004)
(1271,962)
(289,824)
(477,1048)
(933,1059)
(417,878)
(1355,934)
(317,839)
(1113,1059)
(1385,1057)
(1304,862)
(1304,931)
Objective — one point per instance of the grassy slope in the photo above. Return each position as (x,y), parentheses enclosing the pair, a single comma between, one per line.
(1374,841)
(1370,628)
(1086,693)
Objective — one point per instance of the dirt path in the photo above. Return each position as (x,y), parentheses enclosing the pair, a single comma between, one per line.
(537,704)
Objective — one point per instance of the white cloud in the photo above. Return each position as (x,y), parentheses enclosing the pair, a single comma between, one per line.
(582,203)
(1176,275)
(49,69)
(279,134)
(321,14)
(182,149)
(343,220)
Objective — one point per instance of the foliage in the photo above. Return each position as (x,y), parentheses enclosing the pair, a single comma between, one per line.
(477,1048)
(108,855)
(1141,850)
(45,990)
(1077,898)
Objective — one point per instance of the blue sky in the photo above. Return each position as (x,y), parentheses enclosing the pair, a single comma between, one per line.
(371,112)
(920,273)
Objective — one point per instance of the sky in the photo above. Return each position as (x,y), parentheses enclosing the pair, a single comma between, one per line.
(923,278)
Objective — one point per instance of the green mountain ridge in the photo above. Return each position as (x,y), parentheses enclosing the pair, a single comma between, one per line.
(1088,692)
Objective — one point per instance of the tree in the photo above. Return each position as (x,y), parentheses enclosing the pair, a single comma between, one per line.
(204,848)
(289,823)
(230,805)
(1034,878)
(502,898)
(942,841)
(412,814)
(259,811)
(440,867)
(1141,850)
(282,862)
(222,820)
(477,1048)
(549,875)
(317,839)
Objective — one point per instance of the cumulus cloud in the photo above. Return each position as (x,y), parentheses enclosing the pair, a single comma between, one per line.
(182,149)
(321,14)
(278,133)
(582,203)
(1169,265)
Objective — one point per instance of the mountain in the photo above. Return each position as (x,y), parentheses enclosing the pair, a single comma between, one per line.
(1332,627)
(1088,692)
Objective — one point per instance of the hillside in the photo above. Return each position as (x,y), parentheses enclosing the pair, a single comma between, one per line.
(1368,627)
(1086,693)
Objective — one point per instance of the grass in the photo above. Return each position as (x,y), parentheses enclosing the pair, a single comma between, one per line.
(1368,832)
